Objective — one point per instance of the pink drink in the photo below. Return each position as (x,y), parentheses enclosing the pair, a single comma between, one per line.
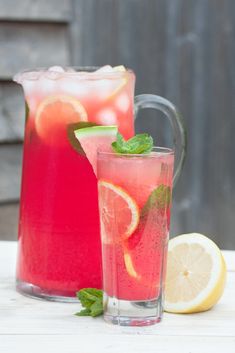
(59,239)
(134,266)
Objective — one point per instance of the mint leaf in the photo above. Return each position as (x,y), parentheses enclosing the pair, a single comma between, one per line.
(118,145)
(92,302)
(97,308)
(91,293)
(139,144)
(159,198)
(88,296)
(72,139)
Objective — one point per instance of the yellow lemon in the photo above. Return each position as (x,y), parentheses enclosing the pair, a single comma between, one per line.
(54,114)
(120,68)
(119,213)
(196,274)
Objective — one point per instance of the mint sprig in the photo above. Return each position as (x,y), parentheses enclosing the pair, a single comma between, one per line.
(159,198)
(92,302)
(139,144)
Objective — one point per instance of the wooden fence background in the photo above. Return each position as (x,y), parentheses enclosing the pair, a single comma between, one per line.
(181,49)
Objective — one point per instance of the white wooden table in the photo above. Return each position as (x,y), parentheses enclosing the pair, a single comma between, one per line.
(29,325)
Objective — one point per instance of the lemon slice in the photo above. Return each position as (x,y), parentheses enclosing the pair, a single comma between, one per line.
(119,68)
(54,114)
(129,266)
(119,213)
(123,81)
(196,274)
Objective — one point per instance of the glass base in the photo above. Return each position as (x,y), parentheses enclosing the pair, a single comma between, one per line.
(32,291)
(132,313)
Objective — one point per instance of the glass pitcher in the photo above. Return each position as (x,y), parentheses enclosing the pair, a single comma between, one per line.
(59,249)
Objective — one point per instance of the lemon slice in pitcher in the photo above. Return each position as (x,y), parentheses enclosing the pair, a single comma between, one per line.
(53,115)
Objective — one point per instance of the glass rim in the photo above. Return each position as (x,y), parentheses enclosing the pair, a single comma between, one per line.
(157,151)
(81,73)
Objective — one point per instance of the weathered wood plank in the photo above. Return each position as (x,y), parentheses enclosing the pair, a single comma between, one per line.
(183,50)
(11,112)
(10,172)
(204,197)
(146,56)
(9,221)
(31,45)
(132,44)
(219,167)
(35,10)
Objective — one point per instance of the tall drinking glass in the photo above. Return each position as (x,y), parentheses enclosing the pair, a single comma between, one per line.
(134,205)
(59,248)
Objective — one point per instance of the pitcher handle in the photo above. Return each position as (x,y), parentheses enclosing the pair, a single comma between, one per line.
(176,121)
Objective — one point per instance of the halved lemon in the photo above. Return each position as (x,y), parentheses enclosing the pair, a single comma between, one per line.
(196,274)
(119,213)
(54,114)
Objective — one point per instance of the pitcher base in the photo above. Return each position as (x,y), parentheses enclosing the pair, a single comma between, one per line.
(32,291)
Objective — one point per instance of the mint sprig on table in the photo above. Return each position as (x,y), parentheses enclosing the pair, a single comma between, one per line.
(139,144)
(92,302)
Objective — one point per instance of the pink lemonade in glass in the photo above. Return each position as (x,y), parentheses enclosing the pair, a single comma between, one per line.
(134,203)
(59,242)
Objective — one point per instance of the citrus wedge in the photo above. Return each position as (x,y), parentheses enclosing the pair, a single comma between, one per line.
(119,84)
(129,266)
(54,113)
(95,138)
(119,68)
(196,274)
(119,213)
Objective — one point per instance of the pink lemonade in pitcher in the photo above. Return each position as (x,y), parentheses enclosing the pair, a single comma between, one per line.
(59,242)
(134,202)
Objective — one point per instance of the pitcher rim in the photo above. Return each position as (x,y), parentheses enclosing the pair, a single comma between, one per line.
(81,73)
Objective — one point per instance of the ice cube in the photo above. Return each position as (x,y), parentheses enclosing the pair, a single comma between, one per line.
(54,72)
(70,69)
(122,102)
(106,68)
(29,86)
(70,85)
(102,89)
(46,85)
(107,116)
(105,88)
(56,69)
